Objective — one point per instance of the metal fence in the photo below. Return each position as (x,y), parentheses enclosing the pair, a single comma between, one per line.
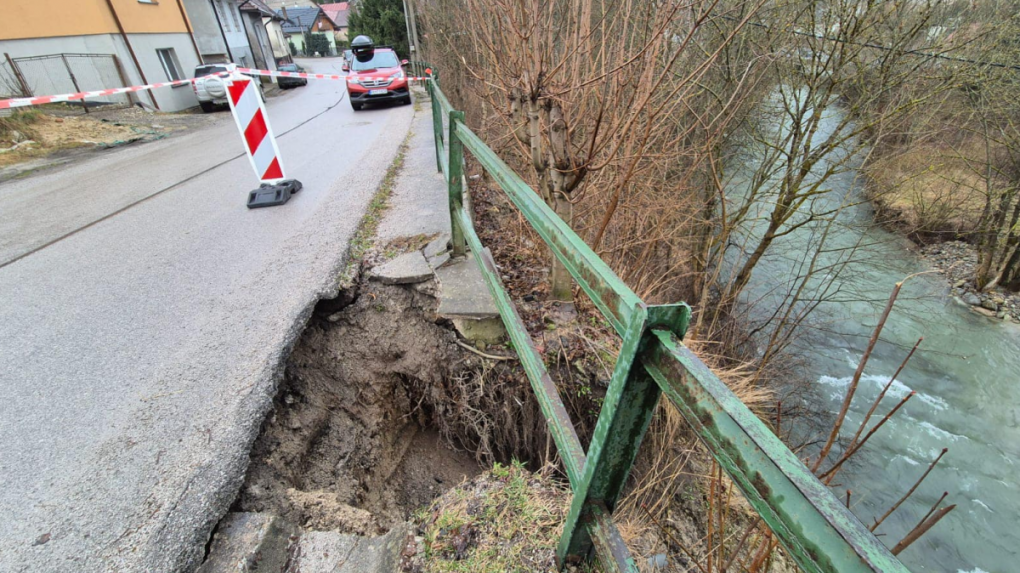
(815,528)
(66,73)
(9,86)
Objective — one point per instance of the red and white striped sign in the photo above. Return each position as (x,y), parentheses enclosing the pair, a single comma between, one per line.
(253,123)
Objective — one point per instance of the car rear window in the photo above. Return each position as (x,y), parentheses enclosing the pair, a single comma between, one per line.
(206,70)
(289,68)
(376,59)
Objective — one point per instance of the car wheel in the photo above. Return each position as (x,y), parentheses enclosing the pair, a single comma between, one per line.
(406,100)
(207,106)
(356,106)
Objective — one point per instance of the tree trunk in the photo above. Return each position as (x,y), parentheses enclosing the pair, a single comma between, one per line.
(561,283)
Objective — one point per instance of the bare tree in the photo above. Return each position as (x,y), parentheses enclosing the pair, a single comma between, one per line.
(593,99)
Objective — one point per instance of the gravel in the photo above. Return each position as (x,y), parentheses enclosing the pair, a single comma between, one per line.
(958,261)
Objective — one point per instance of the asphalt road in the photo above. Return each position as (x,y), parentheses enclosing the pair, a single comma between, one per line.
(144,316)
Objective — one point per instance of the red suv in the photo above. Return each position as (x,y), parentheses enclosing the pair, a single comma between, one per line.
(376,75)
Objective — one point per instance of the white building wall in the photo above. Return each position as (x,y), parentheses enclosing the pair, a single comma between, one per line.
(207,30)
(233,30)
(277,39)
(145,45)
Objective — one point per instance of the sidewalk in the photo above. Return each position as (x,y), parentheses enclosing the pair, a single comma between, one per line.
(418,205)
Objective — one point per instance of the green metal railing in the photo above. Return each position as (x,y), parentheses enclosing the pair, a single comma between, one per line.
(816,529)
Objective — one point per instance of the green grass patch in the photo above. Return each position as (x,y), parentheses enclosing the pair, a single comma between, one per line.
(507,520)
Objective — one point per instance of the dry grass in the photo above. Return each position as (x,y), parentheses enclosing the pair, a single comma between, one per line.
(931,190)
(668,507)
(49,134)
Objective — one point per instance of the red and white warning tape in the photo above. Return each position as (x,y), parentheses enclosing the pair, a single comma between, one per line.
(255,72)
(40,100)
(248,110)
(306,75)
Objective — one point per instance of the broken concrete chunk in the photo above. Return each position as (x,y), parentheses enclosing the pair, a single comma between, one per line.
(249,543)
(465,300)
(464,293)
(409,268)
(339,553)
(439,260)
(438,245)
(481,331)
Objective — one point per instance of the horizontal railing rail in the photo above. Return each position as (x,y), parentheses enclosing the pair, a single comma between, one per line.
(815,528)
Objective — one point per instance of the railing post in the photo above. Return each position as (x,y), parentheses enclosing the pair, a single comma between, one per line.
(455,183)
(437,122)
(626,412)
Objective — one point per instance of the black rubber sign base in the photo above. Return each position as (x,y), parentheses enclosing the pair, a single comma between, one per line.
(272,195)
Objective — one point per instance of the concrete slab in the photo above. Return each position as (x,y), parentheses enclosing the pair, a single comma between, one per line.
(463,291)
(439,260)
(249,543)
(419,204)
(339,553)
(408,268)
(464,299)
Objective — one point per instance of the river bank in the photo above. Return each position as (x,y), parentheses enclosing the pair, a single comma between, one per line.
(932,194)
(957,261)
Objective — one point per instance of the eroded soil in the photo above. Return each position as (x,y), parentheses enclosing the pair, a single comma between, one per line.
(349,445)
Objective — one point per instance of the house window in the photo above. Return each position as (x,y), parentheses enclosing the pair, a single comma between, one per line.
(171,65)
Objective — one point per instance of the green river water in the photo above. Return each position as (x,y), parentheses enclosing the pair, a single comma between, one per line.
(966,376)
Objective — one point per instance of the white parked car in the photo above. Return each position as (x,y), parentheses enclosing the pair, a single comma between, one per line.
(211,90)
